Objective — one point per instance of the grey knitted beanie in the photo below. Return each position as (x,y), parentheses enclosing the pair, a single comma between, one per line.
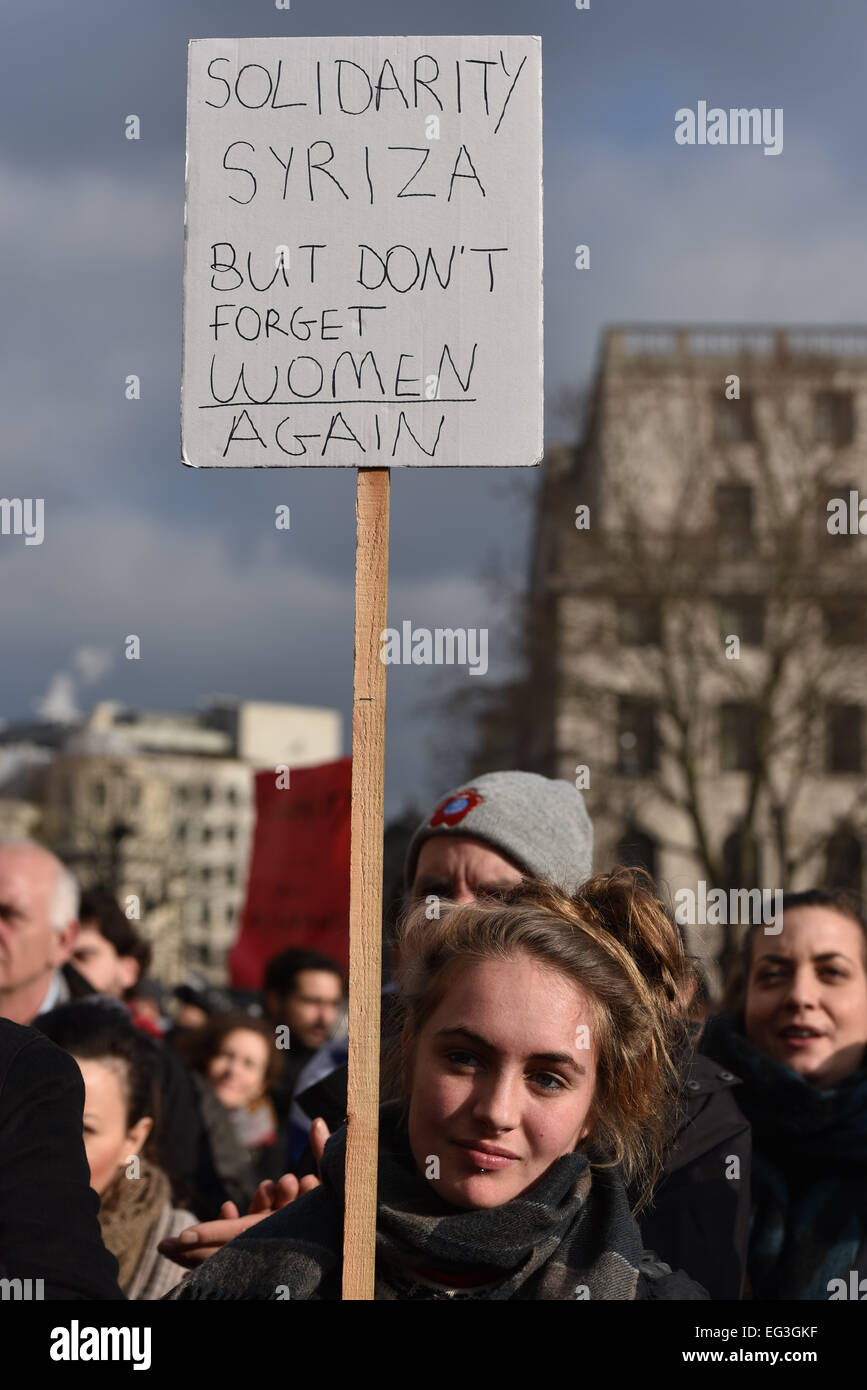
(539,823)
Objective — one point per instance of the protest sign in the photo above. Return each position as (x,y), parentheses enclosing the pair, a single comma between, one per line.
(363,288)
(298,883)
(363,260)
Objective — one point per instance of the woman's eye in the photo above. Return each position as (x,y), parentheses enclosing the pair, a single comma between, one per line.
(542,1077)
(461,1059)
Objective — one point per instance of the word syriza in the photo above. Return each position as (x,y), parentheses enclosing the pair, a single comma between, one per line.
(739,126)
(444,646)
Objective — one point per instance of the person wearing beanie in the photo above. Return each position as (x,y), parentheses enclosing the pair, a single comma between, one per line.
(505,826)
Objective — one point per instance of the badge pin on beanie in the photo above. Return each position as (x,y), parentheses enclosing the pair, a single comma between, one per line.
(453,810)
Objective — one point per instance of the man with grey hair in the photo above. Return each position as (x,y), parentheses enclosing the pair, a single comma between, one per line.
(38,928)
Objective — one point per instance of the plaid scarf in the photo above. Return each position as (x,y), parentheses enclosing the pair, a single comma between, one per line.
(569,1236)
(809,1167)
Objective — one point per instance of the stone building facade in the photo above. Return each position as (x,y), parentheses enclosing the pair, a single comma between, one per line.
(696,636)
(161,807)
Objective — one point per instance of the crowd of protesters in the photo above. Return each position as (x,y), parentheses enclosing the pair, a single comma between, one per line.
(564,1114)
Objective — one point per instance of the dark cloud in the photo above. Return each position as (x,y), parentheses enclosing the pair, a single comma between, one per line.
(91,243)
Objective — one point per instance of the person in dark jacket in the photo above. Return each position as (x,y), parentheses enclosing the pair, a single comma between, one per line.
(798,1040)
(39,904)
(49,1229)
(537,1063)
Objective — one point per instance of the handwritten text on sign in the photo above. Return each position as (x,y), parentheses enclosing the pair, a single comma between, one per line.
(363,268)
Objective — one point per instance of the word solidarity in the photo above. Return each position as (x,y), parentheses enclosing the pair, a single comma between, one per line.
(482,87)
(23,516)
(847,519)
(743,907)
(738,126)
(444,646)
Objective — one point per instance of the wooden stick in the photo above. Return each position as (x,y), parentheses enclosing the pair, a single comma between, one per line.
(365,892)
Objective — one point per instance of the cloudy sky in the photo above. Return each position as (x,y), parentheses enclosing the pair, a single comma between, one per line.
(91,249)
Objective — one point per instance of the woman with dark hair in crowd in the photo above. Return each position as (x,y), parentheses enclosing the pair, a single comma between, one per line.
(237,1056)
(797,1038)
(538,1074)
(119,1067)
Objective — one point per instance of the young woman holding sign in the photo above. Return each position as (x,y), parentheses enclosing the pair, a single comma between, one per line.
(537,1069)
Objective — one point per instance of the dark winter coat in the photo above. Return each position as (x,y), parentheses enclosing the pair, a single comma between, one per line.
(48,1213)
(809,1171)
(699,1219)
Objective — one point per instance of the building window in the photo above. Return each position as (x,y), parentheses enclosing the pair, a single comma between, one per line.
(741,860)
(207,795)
(231,876)
(738,737)
(743,616)
(199,952)
(64,794)
(844,746)
(97,793)
(636,736)
(734,514)
(638,622)
(734,421)
(181,832)
(205,914)
(833,417)
(844,622)
(206,873)
(844,863)
(230,912)
(232,796)
(230,833)
(637,850)
(207,834)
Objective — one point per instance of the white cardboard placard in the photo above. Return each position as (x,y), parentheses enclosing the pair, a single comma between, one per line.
(363,252)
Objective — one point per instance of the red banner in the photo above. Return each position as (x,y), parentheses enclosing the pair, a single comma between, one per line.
(298,886)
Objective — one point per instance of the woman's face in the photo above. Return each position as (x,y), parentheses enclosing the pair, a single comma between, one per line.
(807,995)
(503,1079)
(237,1070)
(108,1141)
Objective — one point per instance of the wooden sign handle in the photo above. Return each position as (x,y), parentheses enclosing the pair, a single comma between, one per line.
(365,891)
